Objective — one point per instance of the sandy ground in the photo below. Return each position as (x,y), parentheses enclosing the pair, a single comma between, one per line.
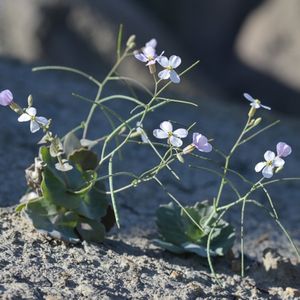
(128,265)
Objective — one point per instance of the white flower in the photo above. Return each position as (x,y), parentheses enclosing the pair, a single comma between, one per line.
(272,161)
(169,64)
(166,132)
(35,122)
(148,53)
(255,103)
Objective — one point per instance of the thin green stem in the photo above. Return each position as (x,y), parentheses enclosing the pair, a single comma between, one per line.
(178,203)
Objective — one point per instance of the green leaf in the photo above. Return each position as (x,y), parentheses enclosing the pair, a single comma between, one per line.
(91,230)
(94,204)
(169,223)
(84,159)
(71,143)
(59,225)
(168,246)
(55,191)
(73,178)
(176,228)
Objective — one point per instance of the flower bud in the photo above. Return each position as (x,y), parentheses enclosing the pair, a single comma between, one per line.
(252,112)
(130,42)
(188,149)
(180,158)
(16,108)
(6,98)
(257,121)
(278,169)
(30,101)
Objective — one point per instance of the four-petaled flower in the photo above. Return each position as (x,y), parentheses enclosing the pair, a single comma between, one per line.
(169,64)
(6,98)
(272,161)
(148,54)
(255,103)
(201,143)
(35,122)
(166,132)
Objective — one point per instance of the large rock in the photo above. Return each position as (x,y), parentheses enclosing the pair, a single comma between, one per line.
(269,41)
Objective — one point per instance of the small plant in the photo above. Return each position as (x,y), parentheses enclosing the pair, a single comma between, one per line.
(180,235)
(72,189)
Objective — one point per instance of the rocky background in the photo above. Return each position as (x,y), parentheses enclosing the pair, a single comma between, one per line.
(243,46)
(128,266)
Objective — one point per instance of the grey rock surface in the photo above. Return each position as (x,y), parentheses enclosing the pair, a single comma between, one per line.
(236,42)
(127,265)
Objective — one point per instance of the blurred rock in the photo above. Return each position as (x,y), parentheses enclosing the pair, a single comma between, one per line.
(269,41)
(236,42)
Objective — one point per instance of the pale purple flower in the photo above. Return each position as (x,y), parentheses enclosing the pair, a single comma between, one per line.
(169,64)
(272,161)
(166,132)
(255,102)
(6,98)
(201,143)
(35,122)
(148,53)
(283,149)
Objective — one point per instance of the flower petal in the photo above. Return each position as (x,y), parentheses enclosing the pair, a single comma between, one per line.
(152,43)
(140,56)
(204,147)
(149,52)
(268,172)
(163,61)
(24,118)
(248,97)
(260,166)
(42,120)
(255,105)
(199,138)
(278,162)
(283,149)
(265,107)
(31,111)
(151,62)
(166,126)
(181,133)
(6,97)
(160,134)
(175,141)
(164,74)
(174,76)
(34,126)
(174,61)
(269,155)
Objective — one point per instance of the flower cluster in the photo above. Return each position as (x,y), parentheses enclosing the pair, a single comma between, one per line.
(273,162)
(27,114)
(148,55)
(175,137)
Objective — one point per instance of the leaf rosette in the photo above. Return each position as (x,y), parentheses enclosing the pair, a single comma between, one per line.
(178,234)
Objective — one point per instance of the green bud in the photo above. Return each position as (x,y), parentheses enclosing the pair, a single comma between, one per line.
(278,169)
(188,149)
(130,42)
(251,122)
(180,158)
(30,101)
(257,121)
(16,108)
(252,112)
